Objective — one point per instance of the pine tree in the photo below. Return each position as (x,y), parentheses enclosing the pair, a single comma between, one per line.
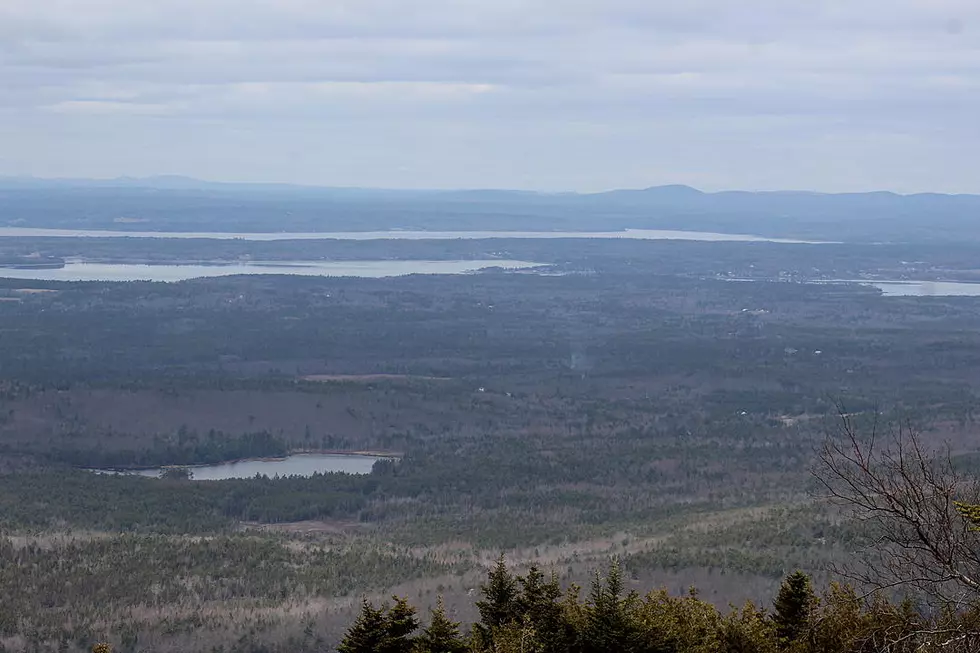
(442,634)
(499,608)
(539,605)
(400,623)
(793,606)
(534,597)
(608,627)
(499,605)
(368,633)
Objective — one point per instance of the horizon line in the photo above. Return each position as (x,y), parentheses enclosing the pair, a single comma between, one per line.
(135,181)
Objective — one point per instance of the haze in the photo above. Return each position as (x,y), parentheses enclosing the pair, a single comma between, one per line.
(584,95)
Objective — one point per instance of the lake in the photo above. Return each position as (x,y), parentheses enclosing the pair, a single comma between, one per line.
(86,271)
(925,288)
(896,288)
(301,464)
(630,234)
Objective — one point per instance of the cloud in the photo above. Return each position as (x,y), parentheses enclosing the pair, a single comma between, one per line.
(762,93)
(107,107)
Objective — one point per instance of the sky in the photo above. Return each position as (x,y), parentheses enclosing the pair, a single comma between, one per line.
(554,95)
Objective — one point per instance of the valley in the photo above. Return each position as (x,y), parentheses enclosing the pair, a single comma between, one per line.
(628,401)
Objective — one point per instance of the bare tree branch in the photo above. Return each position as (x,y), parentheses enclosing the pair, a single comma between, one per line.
(905,497)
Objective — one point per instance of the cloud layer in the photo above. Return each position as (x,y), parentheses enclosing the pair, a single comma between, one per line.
(578,94)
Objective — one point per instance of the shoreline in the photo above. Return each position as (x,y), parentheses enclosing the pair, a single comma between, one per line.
(381,455)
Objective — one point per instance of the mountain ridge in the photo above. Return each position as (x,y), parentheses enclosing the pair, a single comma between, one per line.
(183,182)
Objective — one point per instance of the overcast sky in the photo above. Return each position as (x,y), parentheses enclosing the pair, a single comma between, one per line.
(539,94)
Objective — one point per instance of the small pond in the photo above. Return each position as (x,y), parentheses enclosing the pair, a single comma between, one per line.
(301,464)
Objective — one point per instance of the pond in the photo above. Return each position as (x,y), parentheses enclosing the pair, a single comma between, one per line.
(86,271)
(301,464)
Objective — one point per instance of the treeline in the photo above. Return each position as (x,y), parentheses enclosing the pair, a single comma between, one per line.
(185,447)
(135,504)
(629,324)
(532,613)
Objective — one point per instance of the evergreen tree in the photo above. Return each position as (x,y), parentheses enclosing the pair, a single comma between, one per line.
(614,620)
(792,607)
(441,635)
(368,633)
(500,604)
(400,623)
(608,626)
(540,607)
(382,630)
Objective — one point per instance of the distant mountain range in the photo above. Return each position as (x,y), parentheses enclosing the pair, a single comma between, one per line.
(673,192)
(184,203)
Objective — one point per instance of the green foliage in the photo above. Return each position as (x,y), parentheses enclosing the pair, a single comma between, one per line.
(969,512)
(665,624)
(500,606)
(176,474)
(441,635)
(793,606)
(615,620)
(746,630)
(540,608)
(608,627)
(387,629)
(184,447)
(401,623)
(368,634)
(147,505)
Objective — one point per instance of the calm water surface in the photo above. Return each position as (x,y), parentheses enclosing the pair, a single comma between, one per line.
(83,271)
(925,288)
(633,234)
(305,464)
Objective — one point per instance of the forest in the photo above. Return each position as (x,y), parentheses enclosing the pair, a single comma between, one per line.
(919,581)
(651,411)
(532,612)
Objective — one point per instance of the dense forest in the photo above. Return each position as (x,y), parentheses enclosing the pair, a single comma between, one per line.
(660,404)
